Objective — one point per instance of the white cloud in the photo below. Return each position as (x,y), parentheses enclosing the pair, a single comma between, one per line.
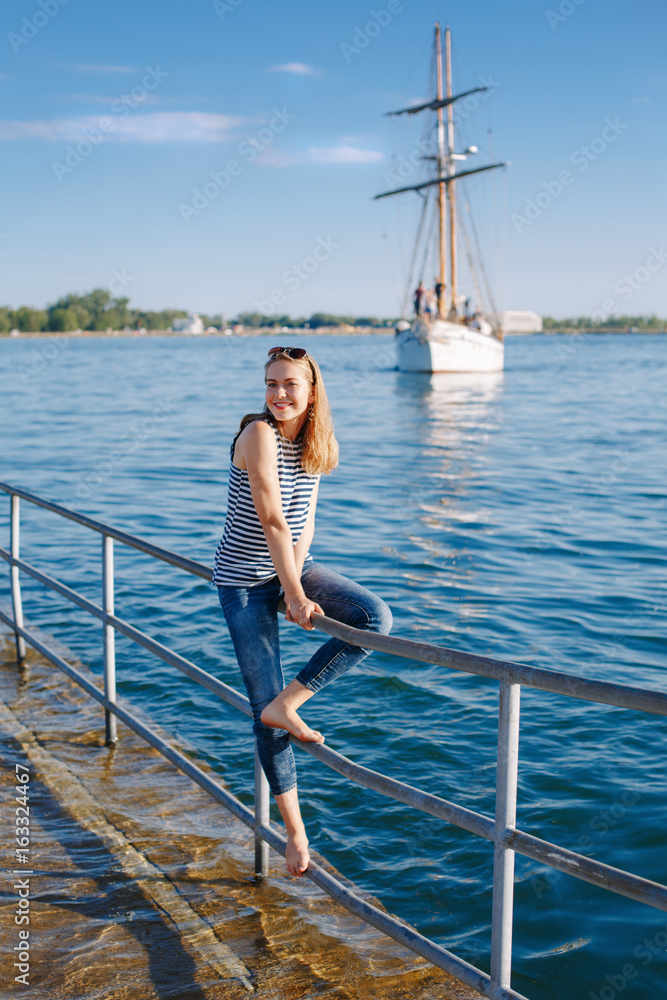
(641,100)
(301,69)
(342,154)
(155,127)
(94,68)
(271,157)
(99,98)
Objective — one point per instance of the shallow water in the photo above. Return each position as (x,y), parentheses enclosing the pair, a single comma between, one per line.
(520,515)
(141,885)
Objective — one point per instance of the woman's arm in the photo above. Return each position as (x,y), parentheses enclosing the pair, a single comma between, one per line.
(256,449)
(305,538)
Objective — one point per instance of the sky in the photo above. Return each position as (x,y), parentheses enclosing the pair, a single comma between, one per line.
(222,155)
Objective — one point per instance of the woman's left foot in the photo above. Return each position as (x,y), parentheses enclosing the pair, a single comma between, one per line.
(297,855)
(278,715)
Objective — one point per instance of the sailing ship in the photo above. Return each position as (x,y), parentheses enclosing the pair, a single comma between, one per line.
(446,335)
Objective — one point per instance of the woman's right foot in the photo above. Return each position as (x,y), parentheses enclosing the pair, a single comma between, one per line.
(277,715)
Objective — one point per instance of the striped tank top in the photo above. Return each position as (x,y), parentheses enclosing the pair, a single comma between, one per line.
(242,558)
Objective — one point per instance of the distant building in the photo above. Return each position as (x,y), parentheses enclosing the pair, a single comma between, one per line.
(516,321)
(193,324)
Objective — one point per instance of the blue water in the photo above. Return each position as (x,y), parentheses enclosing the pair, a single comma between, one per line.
(520,515)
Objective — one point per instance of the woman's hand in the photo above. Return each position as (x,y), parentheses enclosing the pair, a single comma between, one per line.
(299,609)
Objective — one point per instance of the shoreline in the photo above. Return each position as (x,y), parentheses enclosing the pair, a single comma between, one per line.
(260,331)
(297,331)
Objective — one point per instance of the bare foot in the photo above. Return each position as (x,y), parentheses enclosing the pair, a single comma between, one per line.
(296,855)
(281,716)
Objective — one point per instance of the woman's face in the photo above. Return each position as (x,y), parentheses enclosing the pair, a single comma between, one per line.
(288,394)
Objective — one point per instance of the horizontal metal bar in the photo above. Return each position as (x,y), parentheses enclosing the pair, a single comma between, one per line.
(223,691)
(620,695)
(433,805)
(588,870)
(189,565)
(71,672)
(389,925)
(409,937)
(53,584)
(186,667)
(225,798)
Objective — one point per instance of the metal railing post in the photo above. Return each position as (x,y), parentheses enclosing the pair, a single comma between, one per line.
(16,586)
(110,723)
(503,857)
(262,802)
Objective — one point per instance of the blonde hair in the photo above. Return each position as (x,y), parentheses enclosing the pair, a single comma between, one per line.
(319,453)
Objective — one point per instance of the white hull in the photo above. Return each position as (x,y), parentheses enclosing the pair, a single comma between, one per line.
(440,346)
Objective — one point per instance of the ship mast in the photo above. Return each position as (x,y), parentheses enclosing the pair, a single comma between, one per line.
(451,195)
(446,173)
(441,165)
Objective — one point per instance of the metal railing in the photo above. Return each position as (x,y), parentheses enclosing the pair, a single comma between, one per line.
(501,831)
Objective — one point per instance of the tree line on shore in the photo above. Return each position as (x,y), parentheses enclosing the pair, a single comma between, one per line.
(99,310)
(255,320)
(644,324)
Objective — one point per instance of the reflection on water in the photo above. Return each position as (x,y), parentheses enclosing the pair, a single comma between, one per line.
(457,414)
(143,885)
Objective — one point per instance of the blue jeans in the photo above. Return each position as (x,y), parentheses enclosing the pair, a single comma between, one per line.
(252,618)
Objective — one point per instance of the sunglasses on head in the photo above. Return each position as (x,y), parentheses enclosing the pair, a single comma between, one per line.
(296,353)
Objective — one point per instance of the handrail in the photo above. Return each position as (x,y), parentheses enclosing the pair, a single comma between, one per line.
(157,551)
(502,832)
(385,922)
(543,851)
(620,695)
(571,685)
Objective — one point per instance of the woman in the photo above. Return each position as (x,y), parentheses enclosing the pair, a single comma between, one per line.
(276,462)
